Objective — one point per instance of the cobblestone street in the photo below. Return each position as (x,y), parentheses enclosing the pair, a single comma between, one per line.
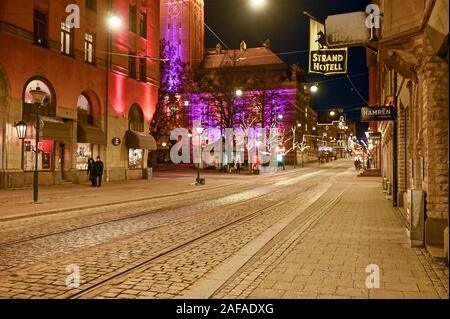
(304,233)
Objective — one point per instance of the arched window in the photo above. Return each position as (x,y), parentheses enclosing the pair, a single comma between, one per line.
(136,119)
(84,107)
(49,107)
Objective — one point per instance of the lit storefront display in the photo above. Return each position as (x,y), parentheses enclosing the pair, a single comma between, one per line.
(135,158)
(45,158)
(84,153)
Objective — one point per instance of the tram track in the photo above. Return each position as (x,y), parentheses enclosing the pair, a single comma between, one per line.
(268,181)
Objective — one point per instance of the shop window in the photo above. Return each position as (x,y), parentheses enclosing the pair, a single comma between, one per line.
(40,28)
(84,153)
(85,116)
(66,39)
(89,48)
(136,119)
(135,158)
(48,109)
(45,158)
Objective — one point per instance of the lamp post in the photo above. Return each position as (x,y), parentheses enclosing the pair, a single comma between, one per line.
(114,23)
(199,132)
(38,99)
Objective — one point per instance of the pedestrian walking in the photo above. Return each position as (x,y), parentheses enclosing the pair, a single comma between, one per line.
(98,171)
(90,172)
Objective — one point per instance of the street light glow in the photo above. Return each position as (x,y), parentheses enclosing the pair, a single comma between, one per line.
(239,93)
(114,23)
(332,113)
(280,117)
(314,89)
(258,4)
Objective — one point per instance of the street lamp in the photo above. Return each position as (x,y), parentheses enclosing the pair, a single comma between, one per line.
(280,117)
(113,24)
(314,88)
(258,4)
(21,129)
(38,99)
(239,93)
(199,131)
(332,113)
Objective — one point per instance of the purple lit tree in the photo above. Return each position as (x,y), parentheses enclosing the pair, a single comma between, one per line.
(175,84)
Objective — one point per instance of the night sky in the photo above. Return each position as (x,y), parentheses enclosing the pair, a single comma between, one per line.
(288,29)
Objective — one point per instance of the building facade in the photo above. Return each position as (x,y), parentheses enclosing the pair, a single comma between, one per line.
(89,111)
(411,73)
(272,94)
(182,25)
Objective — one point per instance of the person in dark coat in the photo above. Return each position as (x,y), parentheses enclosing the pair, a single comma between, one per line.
(98,171)
(90,171)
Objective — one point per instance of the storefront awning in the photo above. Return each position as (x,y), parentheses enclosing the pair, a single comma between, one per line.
(51,128)
(91,134)
(140,140)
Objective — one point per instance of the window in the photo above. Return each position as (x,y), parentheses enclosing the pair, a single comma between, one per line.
(89,48)
(135,158)
(132,65)
(84,111)
(84,153)
(143,69)
(49,107)
(136,119)
(66,39)
(45,158)
(132,18)
(143,25)
(91,5)
(40,28)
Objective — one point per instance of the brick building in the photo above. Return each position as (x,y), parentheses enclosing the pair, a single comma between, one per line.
(411,73)
(70,65)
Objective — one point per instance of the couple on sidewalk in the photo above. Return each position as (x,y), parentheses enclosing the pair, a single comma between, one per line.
(95,171)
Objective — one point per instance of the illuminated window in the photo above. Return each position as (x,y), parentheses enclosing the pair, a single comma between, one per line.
(84,108)
(84,153)
(45,158)
(89,48)
(135,158)
(66,39)
(48,109)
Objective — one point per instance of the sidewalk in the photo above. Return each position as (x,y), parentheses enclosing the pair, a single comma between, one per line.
(17,203)
(329,260)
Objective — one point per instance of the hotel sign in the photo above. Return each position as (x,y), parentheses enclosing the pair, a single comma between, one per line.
(328,61)
(322,59)
(378,114)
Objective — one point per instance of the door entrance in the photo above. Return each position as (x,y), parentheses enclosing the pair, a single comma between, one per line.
(62,151)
